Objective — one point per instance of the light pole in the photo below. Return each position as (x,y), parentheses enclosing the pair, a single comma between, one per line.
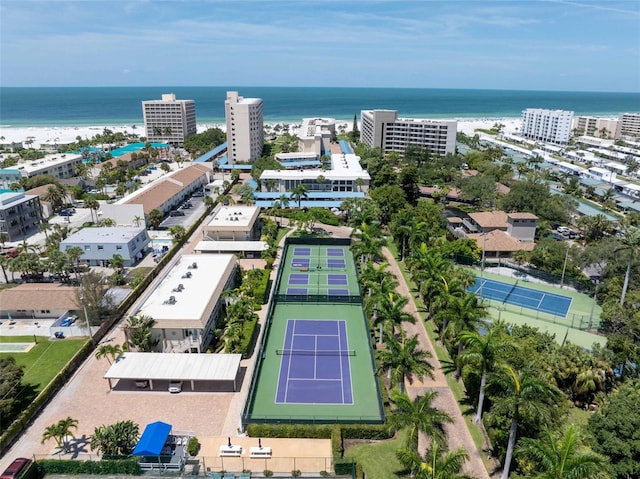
(564,268)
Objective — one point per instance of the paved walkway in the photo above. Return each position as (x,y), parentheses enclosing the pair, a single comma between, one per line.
(458,432)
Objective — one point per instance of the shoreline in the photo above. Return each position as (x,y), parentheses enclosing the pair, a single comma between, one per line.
(67,134)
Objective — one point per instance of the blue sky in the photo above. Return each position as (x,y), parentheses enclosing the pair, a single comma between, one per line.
(524,45)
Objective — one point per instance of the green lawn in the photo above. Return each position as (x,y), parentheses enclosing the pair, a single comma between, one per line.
(45,359)
(379,459)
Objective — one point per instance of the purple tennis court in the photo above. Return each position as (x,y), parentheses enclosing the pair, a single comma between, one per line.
(301,251)
(297,291)
(336,263)
(298,278)
(300,262)
(337,280)
(335,252)
(315,367)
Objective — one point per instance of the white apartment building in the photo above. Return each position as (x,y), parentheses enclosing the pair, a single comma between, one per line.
(630,125)
(595,126)
(383,129)
(59,165)
(169,120)
(316,134)
(245,127)
(551,126)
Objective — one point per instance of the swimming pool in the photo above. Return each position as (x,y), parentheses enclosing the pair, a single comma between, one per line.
(135,147)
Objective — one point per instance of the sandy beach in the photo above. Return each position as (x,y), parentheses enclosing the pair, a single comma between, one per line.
(63,135)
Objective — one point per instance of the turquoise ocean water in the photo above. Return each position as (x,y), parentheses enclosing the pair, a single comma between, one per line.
(79,106)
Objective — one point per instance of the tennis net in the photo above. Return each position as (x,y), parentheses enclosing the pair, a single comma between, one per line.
(509,293)
(315,352)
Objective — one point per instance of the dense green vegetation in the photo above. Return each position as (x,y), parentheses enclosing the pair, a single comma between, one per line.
(200,143)
(521,382)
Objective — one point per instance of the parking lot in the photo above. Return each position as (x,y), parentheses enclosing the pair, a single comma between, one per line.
(192,208)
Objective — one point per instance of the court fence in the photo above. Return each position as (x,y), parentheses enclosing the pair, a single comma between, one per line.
(318,298)
(206,466)
(582,322)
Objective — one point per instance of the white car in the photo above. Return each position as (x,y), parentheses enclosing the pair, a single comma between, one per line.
(175,386)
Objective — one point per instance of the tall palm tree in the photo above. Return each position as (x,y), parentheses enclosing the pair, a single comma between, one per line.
(631,244)
(418,416)
(484,353)
(368,244)
(563,456)
(403,358)
(522,392)
(437,463)
(391,313)
(93,206)
(299,193)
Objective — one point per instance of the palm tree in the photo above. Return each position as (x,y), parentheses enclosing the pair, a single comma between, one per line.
(74,254)
(631,244)
(299,193)
(563,456)
(55,195)
(436,464)
(403,358)
(483,352)
(137,220)
(109,351)
(418,416)
(391,313)
(522,392)
(368,245)
(93,206)
(60,431)
(177,232)
(155,216)
(137,330)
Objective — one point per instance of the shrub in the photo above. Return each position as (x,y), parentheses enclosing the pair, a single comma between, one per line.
(290,430)
(249,330)
(128,466)
(267,473)
(337,448)
(324,474)
(296,473)
(193,446)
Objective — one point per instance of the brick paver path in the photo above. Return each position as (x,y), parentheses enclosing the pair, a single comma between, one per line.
(457,433)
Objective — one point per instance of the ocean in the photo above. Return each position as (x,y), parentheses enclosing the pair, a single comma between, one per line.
(84,106)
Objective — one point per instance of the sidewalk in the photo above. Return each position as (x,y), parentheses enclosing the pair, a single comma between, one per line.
(457,433)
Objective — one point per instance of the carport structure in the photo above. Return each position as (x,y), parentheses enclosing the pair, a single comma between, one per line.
(218,368)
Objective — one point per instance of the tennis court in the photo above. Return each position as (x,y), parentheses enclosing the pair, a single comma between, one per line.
(315,367)
(316,362)
(536,300)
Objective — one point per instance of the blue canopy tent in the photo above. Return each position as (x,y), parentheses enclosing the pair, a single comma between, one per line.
(153,439)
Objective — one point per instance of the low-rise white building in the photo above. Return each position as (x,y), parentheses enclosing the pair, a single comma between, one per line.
(233,223)
(325,188)
(9,176)
(61,165)
(187,303)
(100,244)
(597,173)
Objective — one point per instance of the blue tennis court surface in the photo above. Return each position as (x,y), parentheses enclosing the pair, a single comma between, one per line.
(315,367)
(300,262)
(529,298)
(337,292)
(301,251)
(297,290)
(336,263)
(298,278)
(337,280)
(335,252)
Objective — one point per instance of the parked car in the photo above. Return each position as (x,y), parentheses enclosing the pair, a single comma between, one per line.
(15,468)
(176,213)
(198,193)
(175,386)
(66,213)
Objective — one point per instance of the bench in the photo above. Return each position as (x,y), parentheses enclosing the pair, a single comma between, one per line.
(257,452)
(233,451)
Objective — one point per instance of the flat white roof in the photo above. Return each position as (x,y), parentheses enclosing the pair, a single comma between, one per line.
(231,246)
(171,366)
(236,216)
(343,167)
(571,167)
(632,186)
(48,161)
(106,235)
(206,280)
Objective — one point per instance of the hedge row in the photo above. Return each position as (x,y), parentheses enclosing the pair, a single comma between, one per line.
(312,431)
(337,448)
(249,329)
(109,466)
(47,392)
(261,292)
